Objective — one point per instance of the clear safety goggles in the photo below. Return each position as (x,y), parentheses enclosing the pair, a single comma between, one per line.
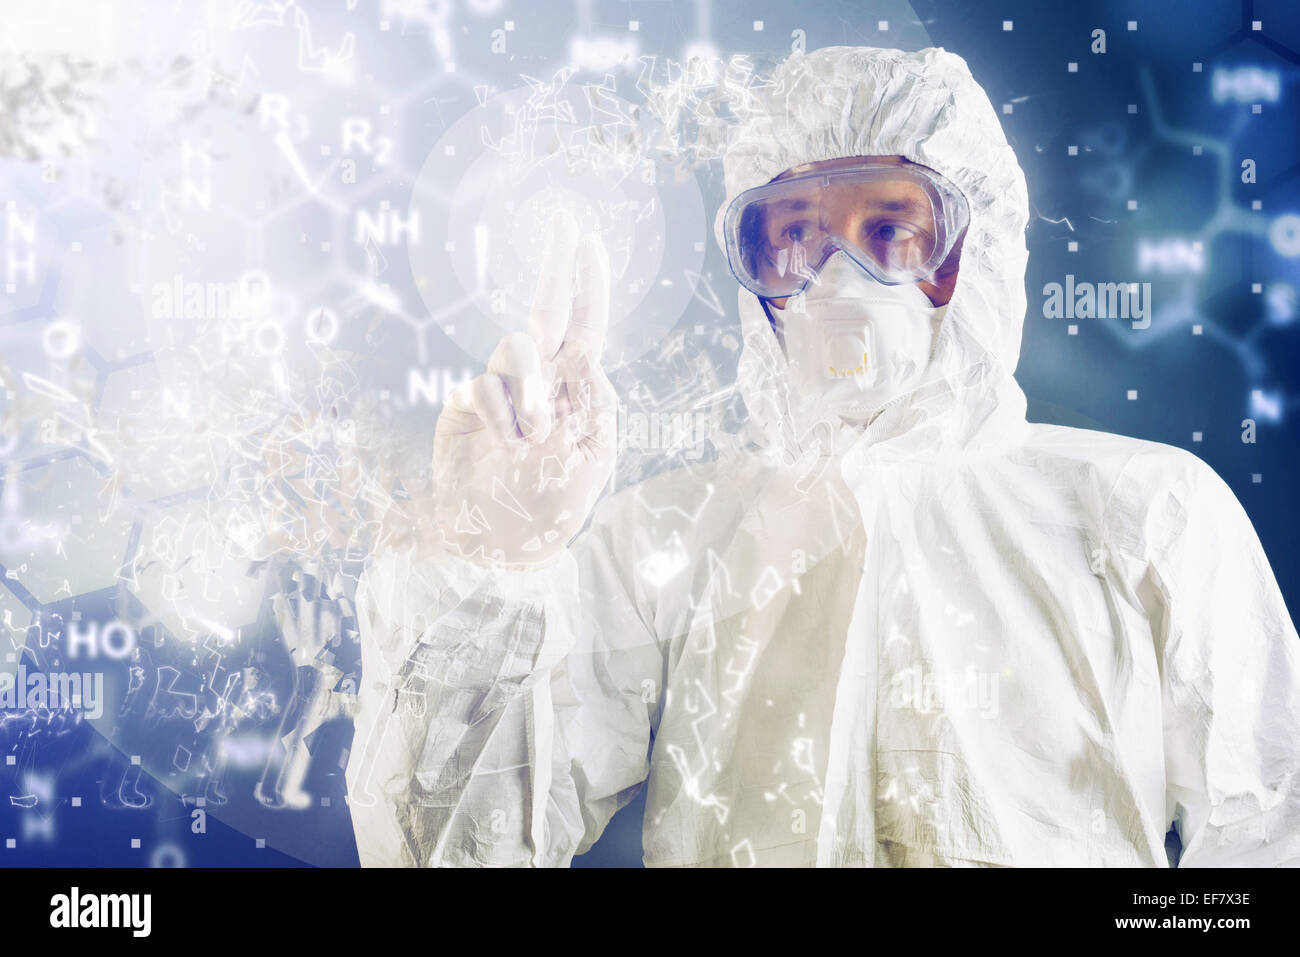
(899,223)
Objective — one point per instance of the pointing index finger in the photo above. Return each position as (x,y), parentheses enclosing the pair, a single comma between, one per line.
(553,300)
(591,304)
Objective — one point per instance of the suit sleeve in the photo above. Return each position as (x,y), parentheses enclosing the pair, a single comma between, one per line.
(502,717)
(1230,684)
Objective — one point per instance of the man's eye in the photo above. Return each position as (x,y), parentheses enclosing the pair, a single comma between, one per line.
(894,233)
(796,233)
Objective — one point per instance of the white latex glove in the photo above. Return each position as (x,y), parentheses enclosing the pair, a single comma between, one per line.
(521,452)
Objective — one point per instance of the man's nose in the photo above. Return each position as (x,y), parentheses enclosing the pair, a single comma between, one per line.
(837,230)
(836,265)
(836,222)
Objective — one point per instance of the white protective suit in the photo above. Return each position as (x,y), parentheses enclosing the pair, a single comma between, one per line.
(952,638)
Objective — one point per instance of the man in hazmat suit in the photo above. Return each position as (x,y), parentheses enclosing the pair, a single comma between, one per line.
(901,626)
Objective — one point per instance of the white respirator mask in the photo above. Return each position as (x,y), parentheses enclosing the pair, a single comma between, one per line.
(852,343)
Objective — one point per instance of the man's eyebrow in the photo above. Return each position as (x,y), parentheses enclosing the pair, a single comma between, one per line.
(888,205)
(794,205)
(897,205)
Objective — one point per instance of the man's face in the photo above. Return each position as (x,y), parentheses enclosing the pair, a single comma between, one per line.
(857,219)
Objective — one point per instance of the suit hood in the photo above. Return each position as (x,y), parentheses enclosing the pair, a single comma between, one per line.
(925,106)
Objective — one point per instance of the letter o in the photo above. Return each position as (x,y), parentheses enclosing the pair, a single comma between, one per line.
(1284,234)
(167,855)
(108,645)
(258,347)
(61,338)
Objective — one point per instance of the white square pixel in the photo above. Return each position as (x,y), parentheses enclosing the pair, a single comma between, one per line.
(1072,246)
(1007,24)
(1071,330)
(1072,151)
(1072,67)
(1132,395)
(1196,436)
